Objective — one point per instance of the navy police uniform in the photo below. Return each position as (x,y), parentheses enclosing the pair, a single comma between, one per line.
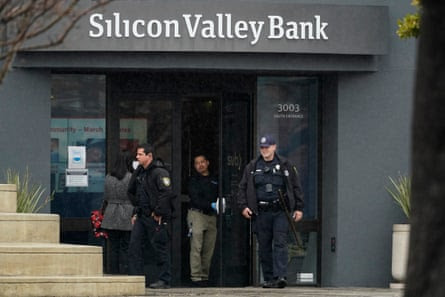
(150,192)
(258,190)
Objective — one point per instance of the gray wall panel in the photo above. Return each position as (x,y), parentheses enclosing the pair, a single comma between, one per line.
(25,124)
(329,176)
(200,61)
(373,142)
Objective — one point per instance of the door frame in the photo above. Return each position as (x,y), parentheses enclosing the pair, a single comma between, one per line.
(221,98)
(117,89)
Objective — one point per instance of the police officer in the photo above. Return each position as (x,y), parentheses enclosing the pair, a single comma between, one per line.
(150,192)
(258,199)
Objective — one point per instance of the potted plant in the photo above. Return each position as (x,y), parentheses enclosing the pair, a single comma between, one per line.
(400,191)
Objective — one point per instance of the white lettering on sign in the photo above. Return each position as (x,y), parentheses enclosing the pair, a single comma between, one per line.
(222,26)
(296,30)
(117,28)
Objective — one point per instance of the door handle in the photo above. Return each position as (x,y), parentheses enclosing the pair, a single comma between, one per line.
(223,202)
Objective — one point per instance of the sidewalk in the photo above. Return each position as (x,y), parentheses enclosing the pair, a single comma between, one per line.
(286,292)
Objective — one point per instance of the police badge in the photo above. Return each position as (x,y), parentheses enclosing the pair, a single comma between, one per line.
(166,181)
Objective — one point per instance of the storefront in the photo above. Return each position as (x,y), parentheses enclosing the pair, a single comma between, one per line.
(182,115)
(190,78)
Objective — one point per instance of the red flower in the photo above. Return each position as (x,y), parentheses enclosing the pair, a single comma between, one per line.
(96,222)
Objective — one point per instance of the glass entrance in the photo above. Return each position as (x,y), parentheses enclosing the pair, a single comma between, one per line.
(234,233)
(183,115)
(218,126)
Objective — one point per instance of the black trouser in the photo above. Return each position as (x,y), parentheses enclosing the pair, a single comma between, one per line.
(159,238)
(119,241)
(272,230)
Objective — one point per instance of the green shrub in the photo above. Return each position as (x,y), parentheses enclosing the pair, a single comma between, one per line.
(400,191)
(28,195)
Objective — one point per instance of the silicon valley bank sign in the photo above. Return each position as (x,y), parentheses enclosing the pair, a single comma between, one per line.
(223,27)
(232,26)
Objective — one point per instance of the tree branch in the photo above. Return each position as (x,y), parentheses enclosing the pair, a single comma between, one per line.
(21,21)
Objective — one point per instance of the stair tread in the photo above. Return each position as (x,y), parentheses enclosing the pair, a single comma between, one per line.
(61,279)
(37,247)
(8,187)
(8,216)
(62,286)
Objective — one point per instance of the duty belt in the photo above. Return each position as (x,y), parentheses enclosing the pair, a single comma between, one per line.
(269,205)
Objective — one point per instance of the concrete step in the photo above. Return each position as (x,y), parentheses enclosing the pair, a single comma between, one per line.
(72,286)
(25,227)
(8,198)
(46,259)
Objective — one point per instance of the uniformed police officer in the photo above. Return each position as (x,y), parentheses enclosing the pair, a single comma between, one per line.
(150,191)
(258,199)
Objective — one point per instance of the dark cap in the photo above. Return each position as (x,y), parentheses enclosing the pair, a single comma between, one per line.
(266,140)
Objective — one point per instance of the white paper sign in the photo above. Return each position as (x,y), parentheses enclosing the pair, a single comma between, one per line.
(76,157)
(76,178)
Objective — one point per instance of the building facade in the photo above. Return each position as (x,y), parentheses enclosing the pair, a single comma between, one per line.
(330,79)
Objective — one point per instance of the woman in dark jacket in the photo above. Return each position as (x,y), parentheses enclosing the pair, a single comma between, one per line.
(118,211)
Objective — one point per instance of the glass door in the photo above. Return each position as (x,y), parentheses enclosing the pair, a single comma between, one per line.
(218,126)
(234,244)
(199,136)
(184,115)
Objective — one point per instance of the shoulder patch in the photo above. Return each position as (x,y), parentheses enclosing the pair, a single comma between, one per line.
(166,181)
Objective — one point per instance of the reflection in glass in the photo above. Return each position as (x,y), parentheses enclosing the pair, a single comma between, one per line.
(287,109)
(302,265)
(143,120)
(77,119)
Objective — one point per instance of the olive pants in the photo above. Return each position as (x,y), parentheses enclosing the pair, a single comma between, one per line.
(202,243)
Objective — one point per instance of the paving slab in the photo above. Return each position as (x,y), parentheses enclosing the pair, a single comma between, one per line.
(286,292)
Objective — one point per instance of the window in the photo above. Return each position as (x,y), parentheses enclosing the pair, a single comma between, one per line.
(287,109)
(77,119)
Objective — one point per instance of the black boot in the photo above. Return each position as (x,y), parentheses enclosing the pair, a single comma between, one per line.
(280,283)
(160,284)
(269,284)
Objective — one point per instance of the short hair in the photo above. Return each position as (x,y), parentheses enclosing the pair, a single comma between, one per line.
(200,155)
(147,147)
